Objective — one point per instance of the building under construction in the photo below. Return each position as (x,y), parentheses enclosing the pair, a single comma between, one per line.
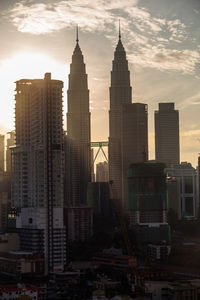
(147,202)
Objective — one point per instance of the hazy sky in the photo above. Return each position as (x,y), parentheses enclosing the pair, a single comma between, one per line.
(161,38)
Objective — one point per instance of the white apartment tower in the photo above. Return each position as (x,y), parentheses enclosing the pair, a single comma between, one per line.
(37,168)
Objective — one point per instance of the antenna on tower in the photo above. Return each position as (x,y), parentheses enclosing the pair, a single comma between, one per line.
(119,30)
(77,40)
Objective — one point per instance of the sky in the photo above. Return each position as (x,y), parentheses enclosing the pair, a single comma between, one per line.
(161,39)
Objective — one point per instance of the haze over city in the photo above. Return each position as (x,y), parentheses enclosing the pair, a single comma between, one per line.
(162,43)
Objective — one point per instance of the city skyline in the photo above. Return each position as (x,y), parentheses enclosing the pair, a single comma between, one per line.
(161,42)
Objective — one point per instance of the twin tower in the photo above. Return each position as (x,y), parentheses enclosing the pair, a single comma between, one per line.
(128,132)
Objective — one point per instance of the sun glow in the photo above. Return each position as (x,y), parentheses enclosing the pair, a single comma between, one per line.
(24,65)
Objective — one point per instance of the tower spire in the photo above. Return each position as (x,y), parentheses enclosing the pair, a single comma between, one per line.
(77,40)
(119,30)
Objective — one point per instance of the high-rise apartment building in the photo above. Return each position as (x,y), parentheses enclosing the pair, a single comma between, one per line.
(167,134)
(37,167)
(2,151)
(186,200)
(78,164)
(128,137)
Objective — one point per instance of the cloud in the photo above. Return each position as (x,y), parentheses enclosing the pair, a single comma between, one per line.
(149,40)
(191,133)
(177,30)
(166,59)
(43,18)
(191,100)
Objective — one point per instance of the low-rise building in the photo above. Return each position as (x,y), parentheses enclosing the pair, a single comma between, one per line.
(176,290)
(9,242)
(17,263)
(117,262)
(158,252)
(11,292)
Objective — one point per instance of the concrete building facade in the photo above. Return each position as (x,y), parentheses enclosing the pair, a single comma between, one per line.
(37,167)
(186,201)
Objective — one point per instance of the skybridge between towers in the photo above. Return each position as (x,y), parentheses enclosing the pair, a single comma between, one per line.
(100,146)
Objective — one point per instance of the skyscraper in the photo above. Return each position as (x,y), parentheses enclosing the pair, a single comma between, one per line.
(37,167)
(134,140)
(167,134)
(102,172)
(128,138)
(78,164)
(120,93)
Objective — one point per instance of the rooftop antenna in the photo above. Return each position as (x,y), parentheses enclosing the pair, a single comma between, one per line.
(119,30)
(77,40)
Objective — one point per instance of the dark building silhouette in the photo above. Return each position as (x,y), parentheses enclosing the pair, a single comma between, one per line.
(147,203)
(120,93)
(98,197)
(102,172)
(198,187)
(128,137)
(167,134)
(78,158)
(2,151)
(79,223)
(134,137)
(10,142)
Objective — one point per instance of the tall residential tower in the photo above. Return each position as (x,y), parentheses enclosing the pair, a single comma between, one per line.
(37,168)
(78,158)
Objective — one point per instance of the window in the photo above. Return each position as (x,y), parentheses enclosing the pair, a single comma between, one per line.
(188,184)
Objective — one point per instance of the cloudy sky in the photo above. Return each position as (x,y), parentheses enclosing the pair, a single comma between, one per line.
(161,38)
